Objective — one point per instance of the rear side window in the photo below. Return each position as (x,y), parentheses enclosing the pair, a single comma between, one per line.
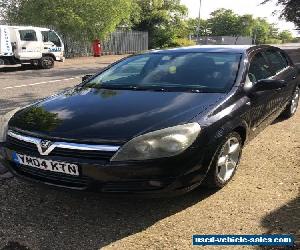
(259,68)
(276,59)
(28,35)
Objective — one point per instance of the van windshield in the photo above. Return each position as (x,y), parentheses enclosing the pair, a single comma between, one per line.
(203,72)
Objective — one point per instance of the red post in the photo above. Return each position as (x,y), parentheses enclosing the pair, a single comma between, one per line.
(97,50)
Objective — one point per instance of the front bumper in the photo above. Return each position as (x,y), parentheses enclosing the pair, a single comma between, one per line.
(163,177)
(60,58)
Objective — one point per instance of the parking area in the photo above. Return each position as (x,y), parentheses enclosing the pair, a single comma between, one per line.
(262,198)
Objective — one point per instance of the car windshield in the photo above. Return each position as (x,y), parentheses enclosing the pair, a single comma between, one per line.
(201,72)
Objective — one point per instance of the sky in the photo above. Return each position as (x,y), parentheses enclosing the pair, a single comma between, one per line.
(240,7)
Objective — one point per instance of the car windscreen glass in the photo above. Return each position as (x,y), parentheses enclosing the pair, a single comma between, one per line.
(206,72)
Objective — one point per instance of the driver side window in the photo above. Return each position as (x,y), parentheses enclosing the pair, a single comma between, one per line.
(259,68)
(50,36)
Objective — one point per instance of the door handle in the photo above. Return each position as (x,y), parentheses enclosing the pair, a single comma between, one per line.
(294,77)
(23,47)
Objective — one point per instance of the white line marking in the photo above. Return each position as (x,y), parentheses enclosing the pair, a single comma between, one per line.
(39,83)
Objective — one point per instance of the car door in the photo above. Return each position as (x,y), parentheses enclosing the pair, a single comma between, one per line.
(282,71)
(29,46)
(259,69)
(52,43)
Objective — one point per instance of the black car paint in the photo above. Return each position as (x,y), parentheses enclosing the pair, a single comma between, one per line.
(218,114)
(116,123)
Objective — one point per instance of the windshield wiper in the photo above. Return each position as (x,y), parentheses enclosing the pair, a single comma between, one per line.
(110,86)
(142,88)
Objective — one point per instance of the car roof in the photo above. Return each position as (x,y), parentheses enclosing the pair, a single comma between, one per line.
(29,27)
(213,48)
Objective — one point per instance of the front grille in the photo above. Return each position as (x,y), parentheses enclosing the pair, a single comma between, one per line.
(86,154)
(21,145)
(51,177)
(27,147)
(134,186)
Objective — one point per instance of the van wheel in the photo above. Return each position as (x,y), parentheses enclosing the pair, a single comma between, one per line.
(225,161)
(291,109)
(46,62)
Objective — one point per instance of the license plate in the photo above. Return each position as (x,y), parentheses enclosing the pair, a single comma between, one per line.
(46,165)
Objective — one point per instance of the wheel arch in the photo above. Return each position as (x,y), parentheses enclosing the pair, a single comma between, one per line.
(50,55)
(242,131)
(233,125)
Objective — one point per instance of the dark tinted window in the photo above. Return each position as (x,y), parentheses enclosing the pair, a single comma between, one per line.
(27,35)
(259,68)
(277,60)
(210,72)
(45,35)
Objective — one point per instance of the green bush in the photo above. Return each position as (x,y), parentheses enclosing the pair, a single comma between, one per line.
(273,41)
(181,42)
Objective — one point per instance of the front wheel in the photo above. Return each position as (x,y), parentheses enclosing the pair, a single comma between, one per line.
(46,62)
(225,161)
(291,109)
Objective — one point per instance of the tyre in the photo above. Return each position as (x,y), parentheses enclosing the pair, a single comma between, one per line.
(46,62)
(35,63)
(225,161)
(292,107)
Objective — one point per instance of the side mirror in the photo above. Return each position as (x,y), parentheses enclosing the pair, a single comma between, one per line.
(268,84)
(86,77)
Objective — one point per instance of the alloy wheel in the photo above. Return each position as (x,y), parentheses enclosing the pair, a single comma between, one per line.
(295,101)
(228,159)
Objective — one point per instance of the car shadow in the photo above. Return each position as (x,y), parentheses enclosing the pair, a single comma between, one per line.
(24,67)
(284,220)
(68,220)
(278,120)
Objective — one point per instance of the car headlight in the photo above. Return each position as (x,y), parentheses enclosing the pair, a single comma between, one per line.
(4,119)
(158,144)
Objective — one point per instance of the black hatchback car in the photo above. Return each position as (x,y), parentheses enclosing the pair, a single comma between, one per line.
(157,123)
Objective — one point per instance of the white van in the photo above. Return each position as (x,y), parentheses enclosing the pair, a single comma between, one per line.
(26,44)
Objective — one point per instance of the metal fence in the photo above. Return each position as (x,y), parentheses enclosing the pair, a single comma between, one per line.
(223,40)
(117,43)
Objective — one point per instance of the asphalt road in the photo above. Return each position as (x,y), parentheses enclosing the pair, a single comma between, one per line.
(22,86)
(262,198)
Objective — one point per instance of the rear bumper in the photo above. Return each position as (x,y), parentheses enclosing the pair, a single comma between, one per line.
(165,177)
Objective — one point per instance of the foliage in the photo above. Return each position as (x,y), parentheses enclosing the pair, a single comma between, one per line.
(285,36)
(261,31)
(193,27)
(225,22)
(39,119)
(182,42)
(290,11)
(163,19)
(79,18)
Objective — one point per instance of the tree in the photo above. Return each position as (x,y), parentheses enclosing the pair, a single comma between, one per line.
(163,19)
(224,22)
(285,36)
(261,30)
(290,11)
(193,25)
(81,19)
